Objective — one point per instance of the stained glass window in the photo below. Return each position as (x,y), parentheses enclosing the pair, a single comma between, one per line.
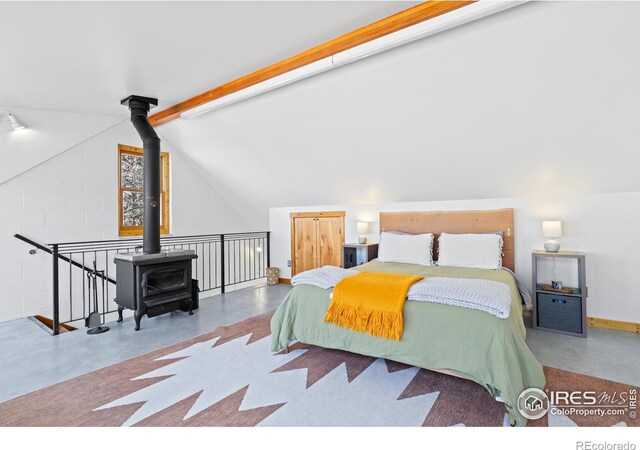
(132,210)
(131,171)
(131,191)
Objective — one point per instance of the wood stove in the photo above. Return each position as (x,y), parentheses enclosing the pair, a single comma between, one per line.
(152,282)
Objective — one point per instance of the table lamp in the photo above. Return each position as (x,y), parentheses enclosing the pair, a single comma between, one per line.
(363,229)
(552,229)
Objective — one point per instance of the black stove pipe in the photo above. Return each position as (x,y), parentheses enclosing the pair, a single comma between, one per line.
(139,107)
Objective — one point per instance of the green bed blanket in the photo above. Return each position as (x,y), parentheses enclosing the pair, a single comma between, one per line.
(473,344)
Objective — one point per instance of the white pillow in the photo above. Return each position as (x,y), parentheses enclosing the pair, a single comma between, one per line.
(406,248)
(479,251)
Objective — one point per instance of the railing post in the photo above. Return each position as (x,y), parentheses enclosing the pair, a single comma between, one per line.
(268,248)
(222,264)
(56,293)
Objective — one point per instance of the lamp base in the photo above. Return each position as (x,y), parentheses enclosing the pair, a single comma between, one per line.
(362,239)
(552,246)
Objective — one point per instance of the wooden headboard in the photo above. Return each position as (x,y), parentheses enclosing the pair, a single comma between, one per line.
(436,222)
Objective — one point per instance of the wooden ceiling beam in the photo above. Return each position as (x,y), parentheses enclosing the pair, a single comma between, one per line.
(391,24)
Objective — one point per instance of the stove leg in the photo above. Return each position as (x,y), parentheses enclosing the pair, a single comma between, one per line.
(120,309)
(137,316)
(190,307)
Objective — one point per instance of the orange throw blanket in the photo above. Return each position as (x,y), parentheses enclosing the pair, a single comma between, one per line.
(371,302)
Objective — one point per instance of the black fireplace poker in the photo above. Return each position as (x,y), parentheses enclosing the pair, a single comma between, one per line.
(139,107)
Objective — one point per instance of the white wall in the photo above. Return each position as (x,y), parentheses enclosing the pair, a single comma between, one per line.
(536,106)
(542,99)
(48,133)
(604,226)
(73,197)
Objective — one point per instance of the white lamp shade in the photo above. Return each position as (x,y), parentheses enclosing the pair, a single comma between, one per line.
(552,228)
(363,227)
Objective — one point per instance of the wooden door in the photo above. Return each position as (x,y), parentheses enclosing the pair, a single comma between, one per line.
(330,241)
(305,244)
(316,240)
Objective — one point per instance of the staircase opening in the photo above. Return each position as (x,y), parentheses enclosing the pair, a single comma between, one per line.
(48,323)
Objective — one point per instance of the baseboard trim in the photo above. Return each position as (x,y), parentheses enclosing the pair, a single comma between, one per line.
(618,325)
(596,322)
(284,280)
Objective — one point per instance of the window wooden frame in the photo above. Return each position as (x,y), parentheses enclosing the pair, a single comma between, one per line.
(164,191)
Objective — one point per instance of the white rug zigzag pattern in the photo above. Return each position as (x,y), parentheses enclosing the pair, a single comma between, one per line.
(370,399)
(218,372)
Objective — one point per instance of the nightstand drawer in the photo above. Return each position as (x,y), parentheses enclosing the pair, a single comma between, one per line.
(560,312)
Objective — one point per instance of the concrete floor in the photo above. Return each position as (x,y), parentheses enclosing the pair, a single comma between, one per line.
(32,359)
(608,354)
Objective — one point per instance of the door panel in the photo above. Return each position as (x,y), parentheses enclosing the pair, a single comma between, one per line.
(305,240)
(330,241)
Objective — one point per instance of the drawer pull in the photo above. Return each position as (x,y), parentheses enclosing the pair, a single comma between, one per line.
(559,300)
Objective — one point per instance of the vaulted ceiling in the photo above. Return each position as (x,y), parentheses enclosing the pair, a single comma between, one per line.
(86,56)
(530,101)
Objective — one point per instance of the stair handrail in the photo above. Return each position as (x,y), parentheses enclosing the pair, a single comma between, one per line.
(62,257)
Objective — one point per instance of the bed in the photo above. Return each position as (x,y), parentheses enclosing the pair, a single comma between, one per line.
(462,342)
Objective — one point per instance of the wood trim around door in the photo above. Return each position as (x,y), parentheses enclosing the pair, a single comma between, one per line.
(294,215)
(318,214)
(391,24)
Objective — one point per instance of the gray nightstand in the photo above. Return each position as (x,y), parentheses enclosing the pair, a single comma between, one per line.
(561,311)
(356,254)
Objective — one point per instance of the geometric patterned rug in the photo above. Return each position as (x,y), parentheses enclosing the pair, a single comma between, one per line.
(229,377)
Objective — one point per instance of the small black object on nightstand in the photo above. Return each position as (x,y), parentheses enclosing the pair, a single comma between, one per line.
(356,254)
(561,310)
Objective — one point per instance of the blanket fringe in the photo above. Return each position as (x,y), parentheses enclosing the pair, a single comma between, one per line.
(384,324)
